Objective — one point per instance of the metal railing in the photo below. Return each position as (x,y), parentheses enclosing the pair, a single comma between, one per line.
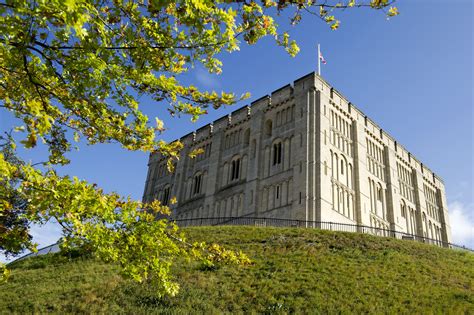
(274,222)
(331,226)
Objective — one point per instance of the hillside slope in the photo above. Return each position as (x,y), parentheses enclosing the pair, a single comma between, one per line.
(294,271)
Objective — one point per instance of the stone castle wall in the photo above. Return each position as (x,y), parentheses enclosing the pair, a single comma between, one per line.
(304,152)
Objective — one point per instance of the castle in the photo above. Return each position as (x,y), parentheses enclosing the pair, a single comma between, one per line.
(304,152)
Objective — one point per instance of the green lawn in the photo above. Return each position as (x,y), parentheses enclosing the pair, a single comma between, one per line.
(294,271)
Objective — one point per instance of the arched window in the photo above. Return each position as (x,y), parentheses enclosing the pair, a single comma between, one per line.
(380,193)
(197,183)
(268,128)
(235,169)
(166,195)
(277,153)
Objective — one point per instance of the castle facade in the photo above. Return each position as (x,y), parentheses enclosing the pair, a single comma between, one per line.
(304,152)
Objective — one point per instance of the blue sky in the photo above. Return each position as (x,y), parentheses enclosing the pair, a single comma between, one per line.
(412,74)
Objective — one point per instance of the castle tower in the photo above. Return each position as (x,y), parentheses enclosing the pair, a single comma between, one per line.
(306,153)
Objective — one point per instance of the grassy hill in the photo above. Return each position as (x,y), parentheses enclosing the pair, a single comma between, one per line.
(294,271)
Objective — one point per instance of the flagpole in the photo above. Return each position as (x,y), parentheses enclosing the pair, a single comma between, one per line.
(319,61)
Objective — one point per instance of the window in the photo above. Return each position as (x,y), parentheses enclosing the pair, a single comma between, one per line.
(404,211)
(278,192)
(380,194)
(197,182)
(277,153)
(166,196)
(342,167)
(235,169)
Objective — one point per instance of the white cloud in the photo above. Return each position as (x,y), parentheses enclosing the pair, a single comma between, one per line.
(461,217)
(206,79)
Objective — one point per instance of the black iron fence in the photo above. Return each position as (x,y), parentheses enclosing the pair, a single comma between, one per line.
(331,226)
(254,221)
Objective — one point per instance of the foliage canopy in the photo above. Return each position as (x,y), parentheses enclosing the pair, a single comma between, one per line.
(73,70)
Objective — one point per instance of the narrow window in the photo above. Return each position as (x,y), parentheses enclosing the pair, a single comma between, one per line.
(278,192)
(235,170)
(277,153)
(197,184)
(232,170)
(274,154)
(166,196)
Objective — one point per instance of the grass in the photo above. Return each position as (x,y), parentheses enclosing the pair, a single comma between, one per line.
(294,271)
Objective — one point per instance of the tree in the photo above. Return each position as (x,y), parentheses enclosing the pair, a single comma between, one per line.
(14,237)
(74,69)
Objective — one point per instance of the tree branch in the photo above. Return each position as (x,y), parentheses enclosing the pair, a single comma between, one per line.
(36,84)
(50,63)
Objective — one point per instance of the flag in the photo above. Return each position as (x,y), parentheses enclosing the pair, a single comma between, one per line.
(322,58)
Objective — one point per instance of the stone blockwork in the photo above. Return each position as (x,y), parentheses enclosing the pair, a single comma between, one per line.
(304,152)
